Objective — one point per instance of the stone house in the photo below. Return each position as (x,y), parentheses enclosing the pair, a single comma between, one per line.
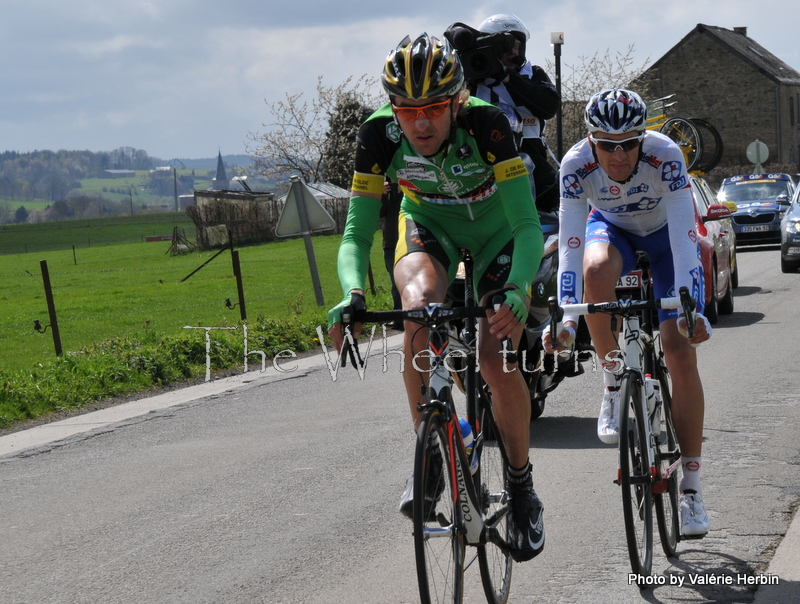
(736,84)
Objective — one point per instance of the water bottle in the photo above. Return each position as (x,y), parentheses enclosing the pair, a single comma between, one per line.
(469,443)
(653,389)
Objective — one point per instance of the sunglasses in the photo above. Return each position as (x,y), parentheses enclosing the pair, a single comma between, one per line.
(411,114)
(626,144)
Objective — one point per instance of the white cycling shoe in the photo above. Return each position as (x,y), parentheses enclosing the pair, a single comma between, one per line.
(608,421)
(694,519)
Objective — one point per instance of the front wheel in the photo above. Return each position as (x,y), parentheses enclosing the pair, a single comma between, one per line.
(439,541)
(635,478)
(494,556)
(668,458)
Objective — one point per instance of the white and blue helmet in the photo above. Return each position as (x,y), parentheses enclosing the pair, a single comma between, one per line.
(615,111)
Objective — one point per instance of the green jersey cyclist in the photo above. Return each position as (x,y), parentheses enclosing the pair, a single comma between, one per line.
(464,187)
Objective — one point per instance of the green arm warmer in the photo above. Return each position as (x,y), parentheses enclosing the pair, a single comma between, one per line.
(524,220)
(353,260)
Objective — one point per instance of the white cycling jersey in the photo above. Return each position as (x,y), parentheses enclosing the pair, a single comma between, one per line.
(657,194)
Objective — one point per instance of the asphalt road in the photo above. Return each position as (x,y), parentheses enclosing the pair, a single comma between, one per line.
(285,490)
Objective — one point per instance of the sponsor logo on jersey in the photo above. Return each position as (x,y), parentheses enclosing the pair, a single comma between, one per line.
(615,190)
(692,235)
(503,259)
(416,174)
(678,184)
(572,186)
(496,136)
(574,242)
(407,184)
(393,132)
(464,152)
(642,188)
(671,171)
(567,288)
(457,169)
(647,203)
(512,168)
(653,160)
(586,169)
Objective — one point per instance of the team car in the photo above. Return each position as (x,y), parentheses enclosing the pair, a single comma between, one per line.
(761,201)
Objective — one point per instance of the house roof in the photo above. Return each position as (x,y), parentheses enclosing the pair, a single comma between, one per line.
(748,50)
(328,189)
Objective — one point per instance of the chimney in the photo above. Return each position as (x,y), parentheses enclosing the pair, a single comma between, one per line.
(740,30)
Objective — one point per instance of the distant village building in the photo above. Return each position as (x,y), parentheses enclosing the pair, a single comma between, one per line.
(729,79)
(116,174)
(220,181)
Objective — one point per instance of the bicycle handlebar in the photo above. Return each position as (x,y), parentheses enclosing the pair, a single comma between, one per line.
(428,316)
(625,308)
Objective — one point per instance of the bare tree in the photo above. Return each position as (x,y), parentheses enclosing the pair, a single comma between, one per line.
(590,75)
(303,138)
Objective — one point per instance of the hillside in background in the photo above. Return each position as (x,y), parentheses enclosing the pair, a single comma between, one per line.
(210,163)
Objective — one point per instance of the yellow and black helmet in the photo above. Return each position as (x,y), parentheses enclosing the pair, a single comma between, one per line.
(422,69)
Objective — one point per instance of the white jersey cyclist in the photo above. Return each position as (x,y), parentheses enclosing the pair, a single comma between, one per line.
(656,194)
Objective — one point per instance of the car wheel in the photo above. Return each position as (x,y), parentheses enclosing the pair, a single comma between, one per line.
(734,272)
(710,311)
(787,267)
(725,306)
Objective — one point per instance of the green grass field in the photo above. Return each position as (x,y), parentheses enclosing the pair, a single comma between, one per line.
(135,289)
(51,236)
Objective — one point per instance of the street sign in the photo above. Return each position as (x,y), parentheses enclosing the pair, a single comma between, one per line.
(757,153)
(290,223)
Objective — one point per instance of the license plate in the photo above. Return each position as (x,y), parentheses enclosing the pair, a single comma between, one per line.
(630,281)
(755,228)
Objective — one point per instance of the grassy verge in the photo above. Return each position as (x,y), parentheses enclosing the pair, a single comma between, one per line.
(122,311)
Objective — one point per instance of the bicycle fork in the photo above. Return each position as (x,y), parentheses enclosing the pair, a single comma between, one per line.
(465,492)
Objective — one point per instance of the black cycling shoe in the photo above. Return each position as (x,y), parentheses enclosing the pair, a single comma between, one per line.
(434,478)
(526,522)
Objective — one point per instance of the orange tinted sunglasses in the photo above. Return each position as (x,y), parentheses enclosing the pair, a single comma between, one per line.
(411,114)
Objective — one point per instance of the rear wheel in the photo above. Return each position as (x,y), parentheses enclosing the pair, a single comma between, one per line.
(711,145)
(493,557)
(635,479)
(711,311)
(725,306)
(685,135)
(439,542)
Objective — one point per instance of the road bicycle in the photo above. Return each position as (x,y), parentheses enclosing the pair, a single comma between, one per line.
(698,139)
(460,497)
(649,453)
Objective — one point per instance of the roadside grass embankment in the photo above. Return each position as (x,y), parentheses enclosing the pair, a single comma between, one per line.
(122,310)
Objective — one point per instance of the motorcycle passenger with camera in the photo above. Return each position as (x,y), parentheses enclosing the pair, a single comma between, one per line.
(495,67)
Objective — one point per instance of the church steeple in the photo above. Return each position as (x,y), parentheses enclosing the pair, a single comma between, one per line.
(221,179)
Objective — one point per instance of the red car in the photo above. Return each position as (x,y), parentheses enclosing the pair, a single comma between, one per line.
(717,252)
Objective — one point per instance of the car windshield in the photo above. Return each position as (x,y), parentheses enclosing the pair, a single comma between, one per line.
(753,190)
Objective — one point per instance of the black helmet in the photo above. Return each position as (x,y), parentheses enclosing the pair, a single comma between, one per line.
(422,69)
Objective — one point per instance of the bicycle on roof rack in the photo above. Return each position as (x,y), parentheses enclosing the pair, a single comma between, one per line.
(698,139)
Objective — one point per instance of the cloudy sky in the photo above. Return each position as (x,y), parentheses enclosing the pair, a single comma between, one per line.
(188,78)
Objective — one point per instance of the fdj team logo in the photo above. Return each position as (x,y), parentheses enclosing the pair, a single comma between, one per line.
(568,285)
(671,171)
(572,186)
(393,132)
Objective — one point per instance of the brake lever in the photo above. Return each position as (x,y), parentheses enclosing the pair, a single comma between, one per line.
(688,304)
(556,314)
(511,354)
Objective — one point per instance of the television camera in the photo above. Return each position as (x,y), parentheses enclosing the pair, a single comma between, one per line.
(480,52)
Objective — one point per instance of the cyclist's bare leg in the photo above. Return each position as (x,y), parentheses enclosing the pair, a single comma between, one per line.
(602,266)
(688,402)
(421,280)
(510,398)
